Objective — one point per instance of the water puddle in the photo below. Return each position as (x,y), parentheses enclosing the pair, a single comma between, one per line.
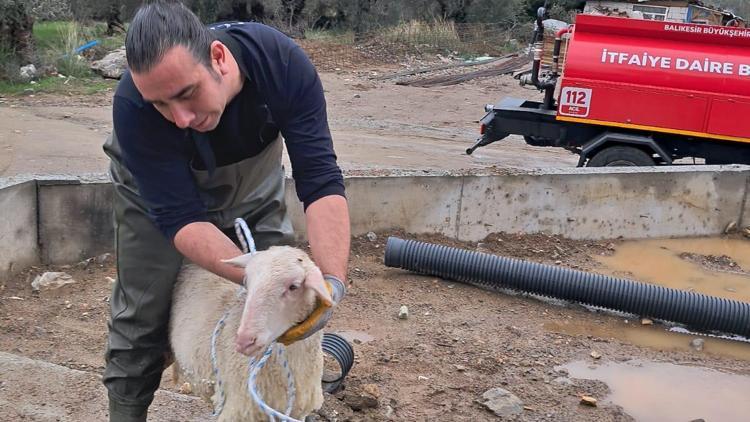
(654,336)
(665,392)
(712,266)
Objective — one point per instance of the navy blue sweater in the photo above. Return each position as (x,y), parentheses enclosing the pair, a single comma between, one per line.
(282,93)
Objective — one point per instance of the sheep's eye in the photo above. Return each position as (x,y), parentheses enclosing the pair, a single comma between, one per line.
(293,287)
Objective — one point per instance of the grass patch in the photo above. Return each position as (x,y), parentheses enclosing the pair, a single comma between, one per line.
(47,34)
(441,35)
(57,85)
(328,36)
(55,35)
(57,43)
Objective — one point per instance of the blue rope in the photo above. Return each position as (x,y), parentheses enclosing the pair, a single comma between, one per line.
(254,370)
(244,235)
(220,388)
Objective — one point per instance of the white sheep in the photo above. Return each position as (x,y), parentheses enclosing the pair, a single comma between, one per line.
(282,286)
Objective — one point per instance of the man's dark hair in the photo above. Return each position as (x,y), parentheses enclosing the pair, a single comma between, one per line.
(158,27)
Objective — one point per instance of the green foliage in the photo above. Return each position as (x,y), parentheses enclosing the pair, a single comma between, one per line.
(49,10)
(53,84)
(557,9)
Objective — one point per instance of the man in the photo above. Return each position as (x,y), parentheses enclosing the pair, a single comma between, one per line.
(198,123)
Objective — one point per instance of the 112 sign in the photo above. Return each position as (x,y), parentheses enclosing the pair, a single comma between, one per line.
(575,102)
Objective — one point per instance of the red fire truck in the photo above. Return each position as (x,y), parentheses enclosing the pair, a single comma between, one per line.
(635,92)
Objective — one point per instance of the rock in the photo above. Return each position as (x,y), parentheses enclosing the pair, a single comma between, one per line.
(103,259)
(110,280)
(746,231)
(731,227)
(460,368)
(646,321)
(403,312)
(596,355)
(112,66)
(588,401)
(360,401)
(334,409)
(371,389)
(51,280)
(563,381)
(185,388)
(697,344)
(501,402)
(27,72)
(371,236)
(357,96)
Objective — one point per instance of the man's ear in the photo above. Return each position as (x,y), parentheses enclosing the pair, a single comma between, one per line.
(219,53)
(314,280)
(239,261)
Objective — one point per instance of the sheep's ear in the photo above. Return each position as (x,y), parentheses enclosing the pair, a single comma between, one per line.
(238,261)
(314,280)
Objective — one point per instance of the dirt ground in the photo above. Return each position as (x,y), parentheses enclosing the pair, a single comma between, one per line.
(376,125)
(458,341)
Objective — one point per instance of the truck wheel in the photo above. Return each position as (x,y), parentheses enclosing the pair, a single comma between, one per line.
(620,156)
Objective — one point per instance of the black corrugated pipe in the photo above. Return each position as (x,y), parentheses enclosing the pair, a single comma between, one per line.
(697,311)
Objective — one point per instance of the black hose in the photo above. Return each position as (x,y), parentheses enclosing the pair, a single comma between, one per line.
(342,352)
(697,311)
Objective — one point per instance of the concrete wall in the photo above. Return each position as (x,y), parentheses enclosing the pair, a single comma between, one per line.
(596,203)
(18,228)
(75,221)
(415,204)
(744,220)
(73,215)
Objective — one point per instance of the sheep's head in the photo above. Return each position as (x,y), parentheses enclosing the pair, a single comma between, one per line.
(282,287)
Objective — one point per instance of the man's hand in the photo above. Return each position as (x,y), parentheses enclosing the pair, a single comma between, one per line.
(204,244)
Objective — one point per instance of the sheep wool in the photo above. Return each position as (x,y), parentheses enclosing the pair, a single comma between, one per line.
(200,299)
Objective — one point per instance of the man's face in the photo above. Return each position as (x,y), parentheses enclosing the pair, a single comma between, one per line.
(184,91)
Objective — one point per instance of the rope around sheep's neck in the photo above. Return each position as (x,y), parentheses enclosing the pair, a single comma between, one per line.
(248,245)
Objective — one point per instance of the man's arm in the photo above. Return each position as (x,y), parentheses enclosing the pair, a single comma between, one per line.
(328,232)
(204,244)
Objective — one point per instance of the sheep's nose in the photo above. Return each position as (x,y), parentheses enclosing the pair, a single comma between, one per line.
(244,344)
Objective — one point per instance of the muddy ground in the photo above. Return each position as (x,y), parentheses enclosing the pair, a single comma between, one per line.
(458,341)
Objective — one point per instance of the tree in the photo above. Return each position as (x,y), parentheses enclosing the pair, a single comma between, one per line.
(49,10)
(531,6)
(16,32)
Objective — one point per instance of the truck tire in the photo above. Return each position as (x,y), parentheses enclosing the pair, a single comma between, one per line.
(620,156)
